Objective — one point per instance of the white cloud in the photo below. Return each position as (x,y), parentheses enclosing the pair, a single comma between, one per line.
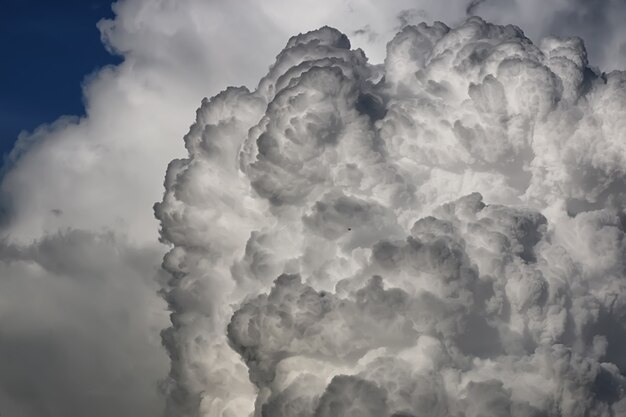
(348,188)
(79,260)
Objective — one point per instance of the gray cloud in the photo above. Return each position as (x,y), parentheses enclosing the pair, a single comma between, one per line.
(67,313)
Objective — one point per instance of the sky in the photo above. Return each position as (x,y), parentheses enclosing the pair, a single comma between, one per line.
(62,37)
(394,217)
(49,49)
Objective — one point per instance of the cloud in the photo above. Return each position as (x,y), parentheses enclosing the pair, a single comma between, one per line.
(454,247)
(70,327)
(594,21)
(310,174)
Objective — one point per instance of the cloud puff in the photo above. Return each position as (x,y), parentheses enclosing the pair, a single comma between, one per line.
(439,235)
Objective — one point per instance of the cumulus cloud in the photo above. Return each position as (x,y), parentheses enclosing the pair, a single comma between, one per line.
(595,21)
(343,172)
(438,235)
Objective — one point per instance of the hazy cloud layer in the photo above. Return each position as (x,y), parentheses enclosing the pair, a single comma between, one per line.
(326,179)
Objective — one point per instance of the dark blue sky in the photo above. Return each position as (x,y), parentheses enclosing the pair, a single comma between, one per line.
(48,47)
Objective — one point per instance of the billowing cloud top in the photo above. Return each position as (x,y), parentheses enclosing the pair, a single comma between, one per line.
(438,235)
